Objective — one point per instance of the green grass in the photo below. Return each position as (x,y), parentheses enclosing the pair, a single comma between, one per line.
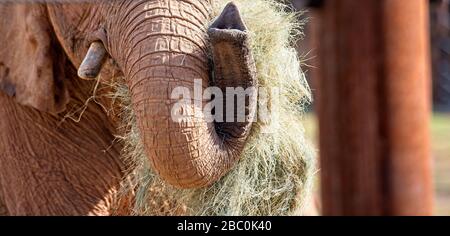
(440,135)
(440,130)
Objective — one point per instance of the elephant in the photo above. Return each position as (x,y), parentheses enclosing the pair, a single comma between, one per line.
(51,57)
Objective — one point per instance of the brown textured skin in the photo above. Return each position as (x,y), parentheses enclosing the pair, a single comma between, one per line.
(3,210)
(49,167)
(170,51)
(188,154)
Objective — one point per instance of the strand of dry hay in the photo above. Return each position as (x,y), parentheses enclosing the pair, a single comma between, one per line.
(275,171)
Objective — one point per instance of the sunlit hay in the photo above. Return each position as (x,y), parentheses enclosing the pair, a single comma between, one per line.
(274,174)
(77,110)
(99,93)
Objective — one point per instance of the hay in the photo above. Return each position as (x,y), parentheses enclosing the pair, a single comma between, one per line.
(274,174)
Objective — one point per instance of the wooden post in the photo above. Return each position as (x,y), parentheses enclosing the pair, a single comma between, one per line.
(374,107)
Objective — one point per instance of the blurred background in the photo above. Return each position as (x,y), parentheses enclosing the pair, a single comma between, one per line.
(380,74)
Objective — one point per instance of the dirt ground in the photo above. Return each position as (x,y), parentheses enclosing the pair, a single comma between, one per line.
(440,133)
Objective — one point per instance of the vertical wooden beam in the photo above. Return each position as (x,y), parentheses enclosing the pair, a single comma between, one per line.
(374,107)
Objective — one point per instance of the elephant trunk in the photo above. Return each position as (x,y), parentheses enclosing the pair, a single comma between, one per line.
(170,52)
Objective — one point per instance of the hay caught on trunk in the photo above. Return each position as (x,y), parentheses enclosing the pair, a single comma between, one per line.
(274,174)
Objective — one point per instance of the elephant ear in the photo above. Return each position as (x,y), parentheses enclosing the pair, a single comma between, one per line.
(31,61)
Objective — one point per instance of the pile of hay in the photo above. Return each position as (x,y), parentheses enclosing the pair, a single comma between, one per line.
(274,174)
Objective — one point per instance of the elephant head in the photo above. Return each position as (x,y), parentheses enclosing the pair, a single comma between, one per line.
(158,45)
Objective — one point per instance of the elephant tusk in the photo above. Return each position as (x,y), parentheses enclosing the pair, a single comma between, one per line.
(93,62)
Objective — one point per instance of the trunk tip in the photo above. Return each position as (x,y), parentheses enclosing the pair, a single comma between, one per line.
(230,19)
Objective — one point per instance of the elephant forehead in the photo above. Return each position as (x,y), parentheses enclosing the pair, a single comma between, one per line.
(76,16)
